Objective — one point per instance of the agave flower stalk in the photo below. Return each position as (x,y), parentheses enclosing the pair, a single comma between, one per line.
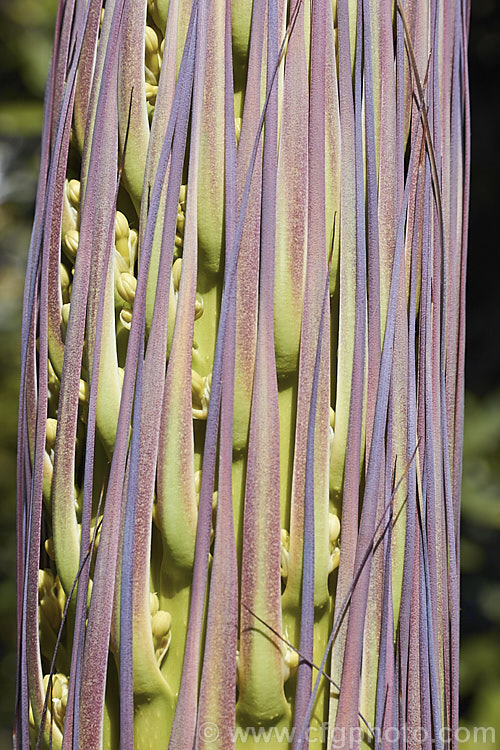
(242,377)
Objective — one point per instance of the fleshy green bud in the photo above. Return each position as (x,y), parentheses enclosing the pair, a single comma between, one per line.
(161,622)
(49,548)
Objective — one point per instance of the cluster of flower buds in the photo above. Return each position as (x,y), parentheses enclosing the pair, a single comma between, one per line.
(58,688)
(51,603)
(153,48)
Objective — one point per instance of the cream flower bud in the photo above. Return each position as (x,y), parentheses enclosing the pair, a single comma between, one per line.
(198,306)
(200,389)
(59,695)
(290,663)
(50,433)
(133,240)
(54,382)
(65,315)
(154,604)
(125,242)
(83,392)
(122,228)
(126,286)
(126,318)
(49,548)
(176,273)
(152,56)
(51,600)
(333,534)
(150,40)
(70,243)
(151,92)
(181,221)
(331,430)
(333,527)
(73,192)
(161,622)
(65,278)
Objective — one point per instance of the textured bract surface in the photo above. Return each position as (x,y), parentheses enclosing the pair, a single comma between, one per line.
(242,377)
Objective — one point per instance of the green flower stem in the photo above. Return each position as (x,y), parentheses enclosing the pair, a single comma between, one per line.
(174,597)
(109,387)
(205,327)
(287,400)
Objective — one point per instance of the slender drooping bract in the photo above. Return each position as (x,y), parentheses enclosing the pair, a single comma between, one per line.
(242,377)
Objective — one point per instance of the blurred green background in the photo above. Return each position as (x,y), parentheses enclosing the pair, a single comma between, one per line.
(25,43)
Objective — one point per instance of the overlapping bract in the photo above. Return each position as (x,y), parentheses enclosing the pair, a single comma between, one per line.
(242,364)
